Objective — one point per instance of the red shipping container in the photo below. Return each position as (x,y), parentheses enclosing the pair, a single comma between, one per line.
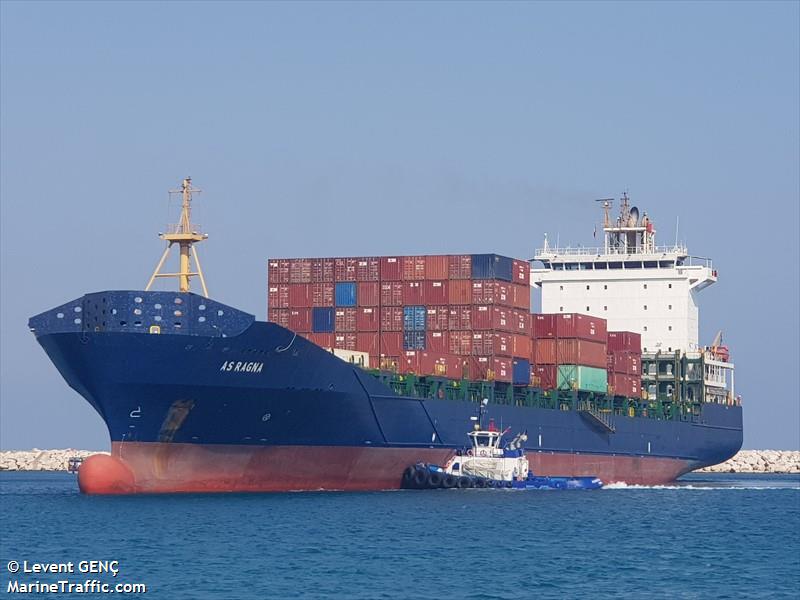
(459,266)
(624,385)
(521,346)
(278,296)
(434,292)
(345,341)
(408,361)
(368,269)
(322,270)
(300,295)
(369,293)
(278,271)
(585,327)
(322,294)
(459,291)
(581,352)
(300,319)
(625,362)
(544,376)
(436,267)
(323,340)
(477,367)
(413,293)
(521,272)
(368,342)
(501,369)
(345,269)
(391,343)
(391,268)
(543,326)
(482,343)
(345,320)
(413,268)
(440,365)
(437,341)
(625,340)
(461,343)
(521,297)
(491,292)
(392,293)
(492,317)
(520,322)
(367,319)
(279,316)
(392,319)
(545,352)
(459,318)
(300,270)
(438,317)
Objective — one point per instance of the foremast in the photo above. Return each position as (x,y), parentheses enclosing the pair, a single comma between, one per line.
(185,234)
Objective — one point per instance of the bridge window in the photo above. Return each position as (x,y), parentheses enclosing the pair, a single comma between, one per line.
(666,264)
(601,265)
(633,264)
(650,264)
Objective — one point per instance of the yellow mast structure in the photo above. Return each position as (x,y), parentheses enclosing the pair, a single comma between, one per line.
(185,235)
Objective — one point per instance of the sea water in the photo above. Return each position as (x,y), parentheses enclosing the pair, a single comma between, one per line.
(709,536)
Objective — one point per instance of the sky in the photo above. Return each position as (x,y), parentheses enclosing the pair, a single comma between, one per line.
(381,128)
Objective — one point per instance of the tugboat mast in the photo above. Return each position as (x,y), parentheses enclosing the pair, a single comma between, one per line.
(185,235)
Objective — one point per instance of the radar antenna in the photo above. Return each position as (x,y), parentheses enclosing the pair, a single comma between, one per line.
(185,234)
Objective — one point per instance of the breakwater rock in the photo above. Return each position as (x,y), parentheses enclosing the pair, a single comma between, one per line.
(759,461)
(41,460)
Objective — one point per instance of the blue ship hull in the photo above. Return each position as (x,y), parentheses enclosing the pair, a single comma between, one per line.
(227,403)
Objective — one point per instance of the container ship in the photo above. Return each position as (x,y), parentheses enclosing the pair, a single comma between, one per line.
(370,364)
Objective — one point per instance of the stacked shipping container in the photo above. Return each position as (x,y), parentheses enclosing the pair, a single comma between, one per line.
(450,315)
(624,363)
(569,352)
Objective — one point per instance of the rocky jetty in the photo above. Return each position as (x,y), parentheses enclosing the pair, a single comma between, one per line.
(746,461)
(41,460)
(759,461)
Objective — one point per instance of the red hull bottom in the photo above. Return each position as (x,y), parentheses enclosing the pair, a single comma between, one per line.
(155,468)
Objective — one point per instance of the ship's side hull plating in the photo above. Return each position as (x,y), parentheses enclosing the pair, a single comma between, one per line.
(266,410)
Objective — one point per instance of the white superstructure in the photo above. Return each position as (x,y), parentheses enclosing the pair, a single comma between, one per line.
(632,283)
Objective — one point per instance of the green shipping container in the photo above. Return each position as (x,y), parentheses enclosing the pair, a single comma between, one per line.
(589,379)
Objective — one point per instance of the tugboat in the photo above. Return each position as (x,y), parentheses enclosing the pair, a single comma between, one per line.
(490,464)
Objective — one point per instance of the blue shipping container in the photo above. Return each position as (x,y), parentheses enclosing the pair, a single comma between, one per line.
(492,266)
(413,340)
(346,294)
(521,371)
(322,319)
(414,318)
